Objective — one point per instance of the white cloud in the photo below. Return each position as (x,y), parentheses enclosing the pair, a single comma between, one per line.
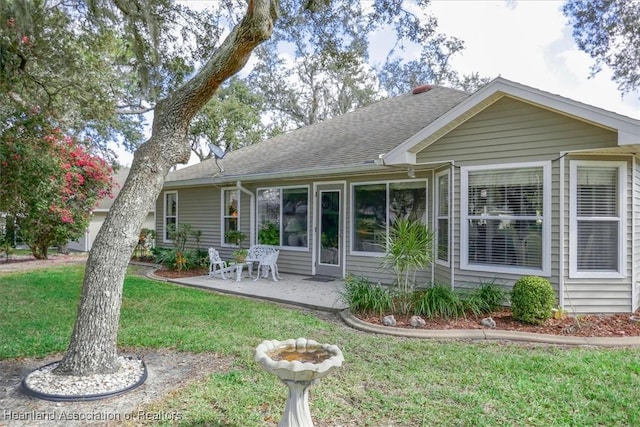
(529,42)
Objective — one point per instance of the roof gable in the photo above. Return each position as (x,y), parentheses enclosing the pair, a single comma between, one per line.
(628,129)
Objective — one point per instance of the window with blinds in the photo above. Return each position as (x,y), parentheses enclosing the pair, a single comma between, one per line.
(505,217)
(597,211)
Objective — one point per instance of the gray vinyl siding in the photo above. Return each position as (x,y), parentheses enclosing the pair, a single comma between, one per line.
(512,132)
(201,208)
(196,206)
(600,295)
(635,217)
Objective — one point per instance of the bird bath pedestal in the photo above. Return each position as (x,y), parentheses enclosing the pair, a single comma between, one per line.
(299,364)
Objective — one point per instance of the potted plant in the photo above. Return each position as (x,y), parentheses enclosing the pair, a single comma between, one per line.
(239,255)
(235,237)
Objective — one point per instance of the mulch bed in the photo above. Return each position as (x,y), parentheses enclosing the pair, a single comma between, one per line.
(617,325)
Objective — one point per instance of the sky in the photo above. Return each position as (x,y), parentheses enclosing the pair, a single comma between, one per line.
(526,41)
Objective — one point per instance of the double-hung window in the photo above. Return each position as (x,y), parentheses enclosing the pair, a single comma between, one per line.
(170,214)
(597,219)
(283,217)
(230,213)
(442,217)
(505,218)
(378,205)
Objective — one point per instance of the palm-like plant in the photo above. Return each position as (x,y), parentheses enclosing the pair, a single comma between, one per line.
(409,249)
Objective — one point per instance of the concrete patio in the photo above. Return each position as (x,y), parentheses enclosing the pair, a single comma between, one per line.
(305,291)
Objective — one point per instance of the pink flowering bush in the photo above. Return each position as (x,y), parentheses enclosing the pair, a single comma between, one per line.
(49,182)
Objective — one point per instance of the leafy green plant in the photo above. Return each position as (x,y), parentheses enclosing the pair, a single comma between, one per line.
(532,300)
(164,256)
(269,234)
(408,250)
(235,237)
(198,258)
(6,245)
(239,255)
(438,301)
(362,296)
(486,298)
(180,234)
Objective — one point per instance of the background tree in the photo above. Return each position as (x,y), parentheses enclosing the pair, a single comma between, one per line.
(49,183)
(609,31)
(318,64)
(230,120)
(53,63)
(94,74)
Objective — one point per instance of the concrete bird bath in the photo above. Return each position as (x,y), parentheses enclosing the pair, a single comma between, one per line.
(299,364)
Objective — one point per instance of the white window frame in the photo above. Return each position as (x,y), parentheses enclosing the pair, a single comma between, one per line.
(387,183)
(546,220)
(224,216)
(573,222)
(438,217)
(309,226)
(165,237)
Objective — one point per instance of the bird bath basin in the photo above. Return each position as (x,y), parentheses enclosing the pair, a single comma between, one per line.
(299,364)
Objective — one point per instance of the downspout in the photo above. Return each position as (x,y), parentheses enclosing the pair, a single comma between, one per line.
(561,234)
(252,216)
(432,224)
(452,225)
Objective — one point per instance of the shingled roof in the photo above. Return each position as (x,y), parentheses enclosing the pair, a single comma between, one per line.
(351,140)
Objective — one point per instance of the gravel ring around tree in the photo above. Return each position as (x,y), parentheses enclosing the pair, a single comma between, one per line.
(167,370)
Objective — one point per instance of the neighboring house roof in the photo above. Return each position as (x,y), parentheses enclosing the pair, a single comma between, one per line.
(356,138)
(388,132)
(119,177)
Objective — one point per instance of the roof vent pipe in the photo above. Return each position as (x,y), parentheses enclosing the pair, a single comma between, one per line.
(422,88)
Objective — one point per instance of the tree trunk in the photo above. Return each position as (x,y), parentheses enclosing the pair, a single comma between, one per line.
(93,346)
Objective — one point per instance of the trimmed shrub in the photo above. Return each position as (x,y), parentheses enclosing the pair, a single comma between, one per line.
(532,300)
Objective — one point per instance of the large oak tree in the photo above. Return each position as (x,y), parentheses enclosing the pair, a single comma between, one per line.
(93,342)
(139,49)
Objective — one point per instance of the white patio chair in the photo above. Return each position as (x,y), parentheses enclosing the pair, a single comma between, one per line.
(217,266)
(269,261)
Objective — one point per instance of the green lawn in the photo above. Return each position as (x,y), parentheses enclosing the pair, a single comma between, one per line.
(385,381)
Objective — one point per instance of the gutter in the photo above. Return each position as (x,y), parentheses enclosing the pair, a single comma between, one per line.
(365,167)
